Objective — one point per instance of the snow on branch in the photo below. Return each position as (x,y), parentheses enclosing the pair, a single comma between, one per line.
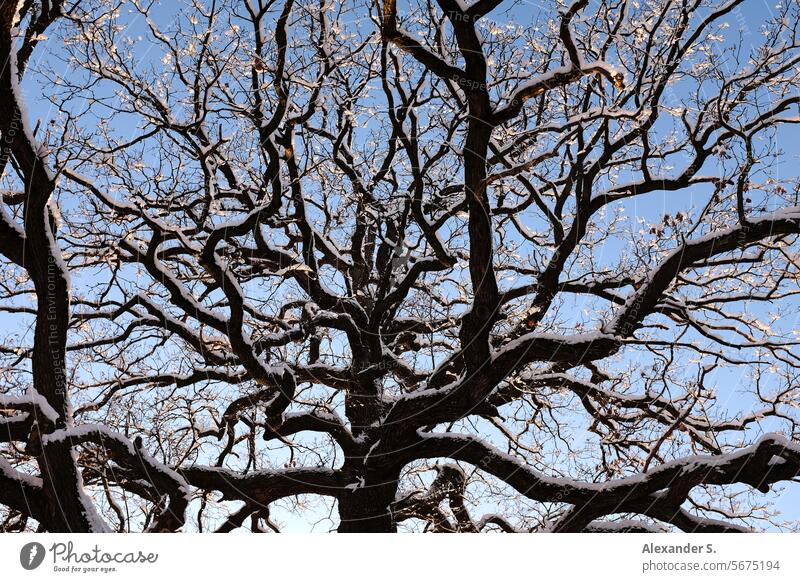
(132,456)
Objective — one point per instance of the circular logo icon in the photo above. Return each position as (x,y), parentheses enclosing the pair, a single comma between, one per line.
(31,555)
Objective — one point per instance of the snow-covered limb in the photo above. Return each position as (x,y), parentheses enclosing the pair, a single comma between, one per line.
(316,421)
(560,76)
(466,395)
(264,487)
(481,8)
(496,520)
(33,403)
(624,526)
(133,457)
(21,491)
(642,302)
(657,492)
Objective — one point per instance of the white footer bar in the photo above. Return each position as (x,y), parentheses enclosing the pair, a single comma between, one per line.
(407,558)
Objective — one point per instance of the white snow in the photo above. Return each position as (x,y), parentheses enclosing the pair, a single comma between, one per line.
(86,432)
(31,399)
(10,472)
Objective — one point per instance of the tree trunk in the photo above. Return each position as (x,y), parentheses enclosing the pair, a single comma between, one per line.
(66,509)
(367,509)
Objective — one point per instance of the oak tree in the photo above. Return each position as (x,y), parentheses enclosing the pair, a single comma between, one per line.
(445,266)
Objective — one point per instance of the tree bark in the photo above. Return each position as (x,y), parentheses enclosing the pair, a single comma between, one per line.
(368,508)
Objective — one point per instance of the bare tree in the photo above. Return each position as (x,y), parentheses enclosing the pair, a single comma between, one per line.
(424,264)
